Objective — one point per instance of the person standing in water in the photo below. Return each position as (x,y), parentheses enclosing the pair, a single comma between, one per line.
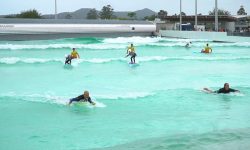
(131,53)
(207,49)
(82,98)
(225,90)
(74,54)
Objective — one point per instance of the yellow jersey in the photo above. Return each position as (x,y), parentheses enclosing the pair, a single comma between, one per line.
(207,49)
(131,49)
(74,54)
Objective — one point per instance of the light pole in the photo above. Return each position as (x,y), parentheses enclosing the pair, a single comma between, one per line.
(216,16)
(55,10)
(196,19)
(180,17)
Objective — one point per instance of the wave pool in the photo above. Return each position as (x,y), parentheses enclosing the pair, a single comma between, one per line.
(156,105)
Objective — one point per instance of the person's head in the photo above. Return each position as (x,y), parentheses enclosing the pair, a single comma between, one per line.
(73,49)
(86,94)
(132,45)
(226,86)
(207,44)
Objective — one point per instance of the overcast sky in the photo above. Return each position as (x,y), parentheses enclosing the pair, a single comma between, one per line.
(172,6)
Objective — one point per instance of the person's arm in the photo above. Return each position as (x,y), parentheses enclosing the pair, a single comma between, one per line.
(78,55)
(208,90)
(233,90)
(90,101)
(78,98)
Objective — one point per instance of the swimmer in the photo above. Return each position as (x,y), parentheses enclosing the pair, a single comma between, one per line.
(207,49)
(131,52)
(82,98)
(224,90)
(188,44)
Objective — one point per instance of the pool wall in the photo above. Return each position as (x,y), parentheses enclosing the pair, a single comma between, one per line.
(213,36)
(26,29)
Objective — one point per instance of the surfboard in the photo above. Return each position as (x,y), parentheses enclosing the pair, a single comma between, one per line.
(133,64)
(81,104)
(197,52)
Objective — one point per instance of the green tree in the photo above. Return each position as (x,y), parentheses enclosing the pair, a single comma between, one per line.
(92,14)
(132,15)
(221,12)
(241,11)
(150,18)
(162,14)
(107,12)
(29,14)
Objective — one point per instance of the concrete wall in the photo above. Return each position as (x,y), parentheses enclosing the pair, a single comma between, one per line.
(213,36)
(25,29)
(230,26)
(164,26)
(74,28)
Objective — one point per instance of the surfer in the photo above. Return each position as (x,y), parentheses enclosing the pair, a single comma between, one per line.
(82,98)
(207,49)
(224,90)
(74,54)
(131,52)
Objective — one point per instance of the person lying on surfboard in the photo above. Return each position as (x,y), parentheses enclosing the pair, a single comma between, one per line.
(82,98)
(224,90)
(73,55)
(131,52)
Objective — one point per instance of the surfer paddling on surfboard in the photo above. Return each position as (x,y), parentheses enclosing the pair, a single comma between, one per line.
(131,53)
(82,98)
(225,90)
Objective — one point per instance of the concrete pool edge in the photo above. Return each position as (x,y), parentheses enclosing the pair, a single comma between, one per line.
(212,36)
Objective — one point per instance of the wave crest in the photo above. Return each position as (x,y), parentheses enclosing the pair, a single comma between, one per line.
(16,60)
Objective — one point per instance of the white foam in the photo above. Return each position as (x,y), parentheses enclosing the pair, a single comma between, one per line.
(146,40)
(123,42)
(44,98)
(14,60)
(76,62)
(58,46)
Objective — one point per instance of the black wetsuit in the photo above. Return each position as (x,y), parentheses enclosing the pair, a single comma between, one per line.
(222,90)
(132,58)
(81,98)
(68,59)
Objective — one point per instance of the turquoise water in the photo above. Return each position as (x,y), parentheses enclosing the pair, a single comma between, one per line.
(157,104)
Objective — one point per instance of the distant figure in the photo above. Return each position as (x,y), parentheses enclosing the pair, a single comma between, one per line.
(131,52)
(73,55)
(188,44)
(207,49)
(224,90)
(82,98)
